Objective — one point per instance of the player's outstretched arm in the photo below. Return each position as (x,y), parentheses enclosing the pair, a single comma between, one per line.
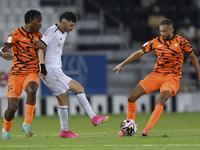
(43,71)
(131,58)
(4,52)
(195,64)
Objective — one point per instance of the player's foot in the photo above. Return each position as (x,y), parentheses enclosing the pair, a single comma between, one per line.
(145,132)
(68,134)
(6,135)
(120,134)
(27,129)
(97,120)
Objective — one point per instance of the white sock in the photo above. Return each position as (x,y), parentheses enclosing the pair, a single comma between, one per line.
(85,104)
(3,130)
(63,114)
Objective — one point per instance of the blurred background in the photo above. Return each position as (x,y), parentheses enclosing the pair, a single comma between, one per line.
(107,32)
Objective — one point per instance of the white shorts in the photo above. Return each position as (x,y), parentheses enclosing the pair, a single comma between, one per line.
(56,81)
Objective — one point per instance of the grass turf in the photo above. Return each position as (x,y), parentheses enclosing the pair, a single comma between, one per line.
(173,131)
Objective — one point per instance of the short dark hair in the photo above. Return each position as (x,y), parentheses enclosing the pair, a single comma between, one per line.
(31,14)
(69,16)
(166,22)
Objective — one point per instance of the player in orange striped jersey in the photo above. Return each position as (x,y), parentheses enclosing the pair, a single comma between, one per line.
(166,74)
(24,73)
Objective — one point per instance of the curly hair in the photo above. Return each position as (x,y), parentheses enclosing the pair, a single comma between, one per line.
(31,14)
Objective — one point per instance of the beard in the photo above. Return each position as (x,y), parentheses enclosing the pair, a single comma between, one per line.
(166,37)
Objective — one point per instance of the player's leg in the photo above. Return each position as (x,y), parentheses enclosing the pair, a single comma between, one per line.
(168,88)
(30,85)
(14,90)
(9,117)
(79,90)
(145,86)
(163,97)
(135,94)
(63,114)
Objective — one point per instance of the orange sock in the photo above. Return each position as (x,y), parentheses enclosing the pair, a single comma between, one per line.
(29,112)
(131,110)
(154,116)
(7,124)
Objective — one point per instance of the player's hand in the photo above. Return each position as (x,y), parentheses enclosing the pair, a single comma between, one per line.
(118,68)
(43,71)
(7,55)
(43,76)
(38,44)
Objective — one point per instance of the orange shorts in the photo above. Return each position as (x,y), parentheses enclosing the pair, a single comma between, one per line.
(155,81)
(17,83)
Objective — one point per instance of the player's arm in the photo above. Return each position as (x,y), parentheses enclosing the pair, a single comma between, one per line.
(4,52)
(131,58)
(43,71)
(195,63)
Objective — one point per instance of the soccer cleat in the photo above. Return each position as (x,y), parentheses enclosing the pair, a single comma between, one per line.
(97,120)
(6,135)
(145,132)
(27,129)
(68,134)
(120,134)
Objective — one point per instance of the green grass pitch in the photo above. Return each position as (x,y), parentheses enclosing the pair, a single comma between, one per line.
(173,131)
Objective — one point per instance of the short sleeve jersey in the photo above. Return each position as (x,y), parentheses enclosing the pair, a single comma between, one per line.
(170,54)
(54,40)
(25,56)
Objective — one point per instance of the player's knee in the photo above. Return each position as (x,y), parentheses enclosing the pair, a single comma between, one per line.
(132,97)
(80,89)
(31,92)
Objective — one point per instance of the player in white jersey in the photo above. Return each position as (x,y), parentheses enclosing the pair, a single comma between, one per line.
(53,40)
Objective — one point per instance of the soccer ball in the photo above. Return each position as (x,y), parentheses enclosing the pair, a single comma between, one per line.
(128,127)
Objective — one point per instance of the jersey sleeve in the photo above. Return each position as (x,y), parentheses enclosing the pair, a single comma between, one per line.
(185,45)
(147,47)
(11,39)
(47,37)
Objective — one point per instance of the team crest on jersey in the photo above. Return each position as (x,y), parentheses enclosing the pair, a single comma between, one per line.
(176,45)
(45,35)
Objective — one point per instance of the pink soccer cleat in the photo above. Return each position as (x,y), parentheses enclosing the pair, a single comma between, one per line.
(120,134)
(97,120)
(68,134)
(145,132)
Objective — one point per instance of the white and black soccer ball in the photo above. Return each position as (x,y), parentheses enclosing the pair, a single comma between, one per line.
(128,127)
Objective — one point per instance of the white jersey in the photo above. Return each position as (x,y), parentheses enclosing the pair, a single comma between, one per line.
(54,39)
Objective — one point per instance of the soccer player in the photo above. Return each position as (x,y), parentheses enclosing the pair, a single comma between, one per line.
(24,73)
(166,74)
(59,83)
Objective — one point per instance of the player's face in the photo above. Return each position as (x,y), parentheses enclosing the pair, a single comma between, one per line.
(68,25)
(36,24)
(166,31)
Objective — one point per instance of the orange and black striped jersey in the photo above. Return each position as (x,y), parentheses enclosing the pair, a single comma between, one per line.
(25,56)
(170,54)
